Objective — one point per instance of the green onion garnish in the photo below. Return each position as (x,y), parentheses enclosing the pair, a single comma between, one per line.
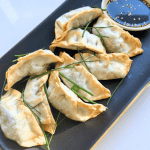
(86,28)
(47,144)
(48,72)
(83,97)
(76,84)
(18,56)
(99,35)
(45,90)
(114,91)
(55,128)
(91,27)
(99,8)
(84,61)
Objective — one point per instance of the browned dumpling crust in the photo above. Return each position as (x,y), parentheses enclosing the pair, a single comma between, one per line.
(75,41)
(74,18)
(17,121)
(119,41)
(30,65)
(35,96)
(83,78)
(107,66)
(63,99)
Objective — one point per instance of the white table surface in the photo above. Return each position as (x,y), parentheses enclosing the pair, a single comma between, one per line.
(19,17)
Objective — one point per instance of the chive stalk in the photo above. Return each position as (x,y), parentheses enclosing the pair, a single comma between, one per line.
(55,128)
(83,97)
(47,145)
(86,28)
(84,61)
(48,72)
(99,35)
(99,8)
(21,55)
(76,84)
(45,90)
(91,27)
(114,91)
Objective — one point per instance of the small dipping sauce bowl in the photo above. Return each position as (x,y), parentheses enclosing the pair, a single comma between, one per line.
(132,15)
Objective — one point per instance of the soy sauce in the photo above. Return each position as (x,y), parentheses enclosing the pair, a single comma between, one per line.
(133,13)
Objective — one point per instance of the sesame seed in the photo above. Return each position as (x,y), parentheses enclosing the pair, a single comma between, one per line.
(128,24)
(123,6)
(129,14)
(121,17)
(139,18)
(139,5)
(134,19)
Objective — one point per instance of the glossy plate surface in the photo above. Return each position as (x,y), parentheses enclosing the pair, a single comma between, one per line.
(71,135)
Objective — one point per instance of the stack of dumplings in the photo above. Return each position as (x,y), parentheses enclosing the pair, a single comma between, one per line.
(108,58)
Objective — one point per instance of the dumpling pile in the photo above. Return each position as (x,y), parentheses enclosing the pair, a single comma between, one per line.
(74,80)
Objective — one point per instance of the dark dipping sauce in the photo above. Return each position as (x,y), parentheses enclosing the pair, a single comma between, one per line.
(133,13)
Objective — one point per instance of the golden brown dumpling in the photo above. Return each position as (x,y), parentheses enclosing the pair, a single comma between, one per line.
(17,121)
(74,18)
(75,41)
(83,78)
(30,65)
(119,41)
(35,96)
(63,99)
(107,66)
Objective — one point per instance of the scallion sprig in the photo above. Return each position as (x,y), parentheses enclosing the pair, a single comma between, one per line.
(114,91)
(55,128)
(21,55)
(67,66)
(47,144)
(76,84)
(45,90)
(84,61)
(83,97)
(99,35)
(99,8)
(91,27)
(86,27)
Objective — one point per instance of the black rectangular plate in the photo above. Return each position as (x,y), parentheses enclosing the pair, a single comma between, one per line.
(71,135)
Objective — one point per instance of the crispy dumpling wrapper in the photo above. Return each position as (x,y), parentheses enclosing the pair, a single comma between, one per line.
(107,66)
(74,18)
(75,41)
(63,99)
(30,65)
(35,96)
(17,121)
(119,41)
(83,78)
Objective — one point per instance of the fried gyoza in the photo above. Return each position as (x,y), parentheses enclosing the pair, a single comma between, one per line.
(74,18)
(74,41)
(17,121)
(83,78)
(119,41)
(63,99)
(107,66)
(30,65)
(35,96)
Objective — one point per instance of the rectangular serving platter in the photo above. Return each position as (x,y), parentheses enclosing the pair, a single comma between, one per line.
(72,135)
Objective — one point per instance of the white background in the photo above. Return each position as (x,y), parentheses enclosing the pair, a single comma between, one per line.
(19,17)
